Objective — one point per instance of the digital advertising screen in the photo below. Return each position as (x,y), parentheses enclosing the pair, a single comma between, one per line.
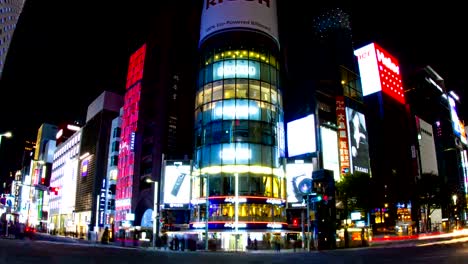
(427,150)
(176,183)
(358,141)
(330,151)
(218,16)
(299,181)
(301,136)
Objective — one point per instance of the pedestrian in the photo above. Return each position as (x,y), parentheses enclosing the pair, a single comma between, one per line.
(105,236)
(176,243)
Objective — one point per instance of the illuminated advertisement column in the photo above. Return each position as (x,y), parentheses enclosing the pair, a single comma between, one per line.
(239,127)
(343,148)
(124,186)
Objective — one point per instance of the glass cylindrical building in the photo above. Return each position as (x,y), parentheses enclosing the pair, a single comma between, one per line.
(239,131)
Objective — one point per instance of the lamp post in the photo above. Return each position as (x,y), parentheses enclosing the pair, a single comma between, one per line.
(207,207)
(6,134)
(155,210)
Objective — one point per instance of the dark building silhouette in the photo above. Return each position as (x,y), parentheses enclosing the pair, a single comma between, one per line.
(92,164)
(158,110)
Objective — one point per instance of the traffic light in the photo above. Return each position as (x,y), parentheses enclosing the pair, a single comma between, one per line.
(55,190)
(295,222)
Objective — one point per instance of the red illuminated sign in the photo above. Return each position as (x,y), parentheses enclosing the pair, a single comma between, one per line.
(379,72)
(343,148)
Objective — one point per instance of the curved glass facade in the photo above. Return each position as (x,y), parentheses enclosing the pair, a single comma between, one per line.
(239,140)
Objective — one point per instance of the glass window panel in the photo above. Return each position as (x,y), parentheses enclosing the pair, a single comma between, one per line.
(243,153)
(255,132)
(201,77)
(198,117)
(217,131)
(254,89)
(228,154)
(256,158)
(266,156)
(242,109)
(228,109)
(205,158)
(207,94)
(266,92)
(274,96)
(276,187)
(207,135)
(242,88)
(241,131)
(229,88)
(273,79)
(265,72)
(254,110)
(217,90)
(207,113)
(226,135)
(267,138)
(217,71)
(272,60)
(208,73)
(215,190)
(244,188)
(215,154)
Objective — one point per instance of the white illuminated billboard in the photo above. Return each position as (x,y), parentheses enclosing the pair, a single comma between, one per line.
(330,151)
(299,181)
(219,15)
(176,184)
(301,136)
(427,149)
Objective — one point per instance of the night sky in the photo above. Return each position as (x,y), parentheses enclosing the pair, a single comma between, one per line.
(64,54)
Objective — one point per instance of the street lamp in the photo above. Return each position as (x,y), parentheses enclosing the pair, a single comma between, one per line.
(207,207)
(6,134)
(155,210)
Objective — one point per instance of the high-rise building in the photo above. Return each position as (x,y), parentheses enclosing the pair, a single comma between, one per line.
(62,189)
(39,176)
(157,118)
(440,147)
(239,183)
(92,164)
(389,130)
(10,11)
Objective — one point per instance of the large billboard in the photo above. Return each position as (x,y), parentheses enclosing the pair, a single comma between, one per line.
(219,15)
(427,151)
(299,180)
(330,151)
(379,72)
(176,183)
(301,136)
(358,141)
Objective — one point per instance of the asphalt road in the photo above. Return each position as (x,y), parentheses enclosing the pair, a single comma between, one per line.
(40,251)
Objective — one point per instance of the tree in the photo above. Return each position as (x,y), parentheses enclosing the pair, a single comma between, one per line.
(428,189)
(354,192)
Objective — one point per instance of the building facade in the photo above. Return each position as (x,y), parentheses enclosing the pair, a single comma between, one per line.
(10,11)
(62,189)
(238,160)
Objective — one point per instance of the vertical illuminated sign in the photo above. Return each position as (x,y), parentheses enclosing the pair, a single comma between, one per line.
(124,186)
(342,135)
(379,72)
(102,203)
